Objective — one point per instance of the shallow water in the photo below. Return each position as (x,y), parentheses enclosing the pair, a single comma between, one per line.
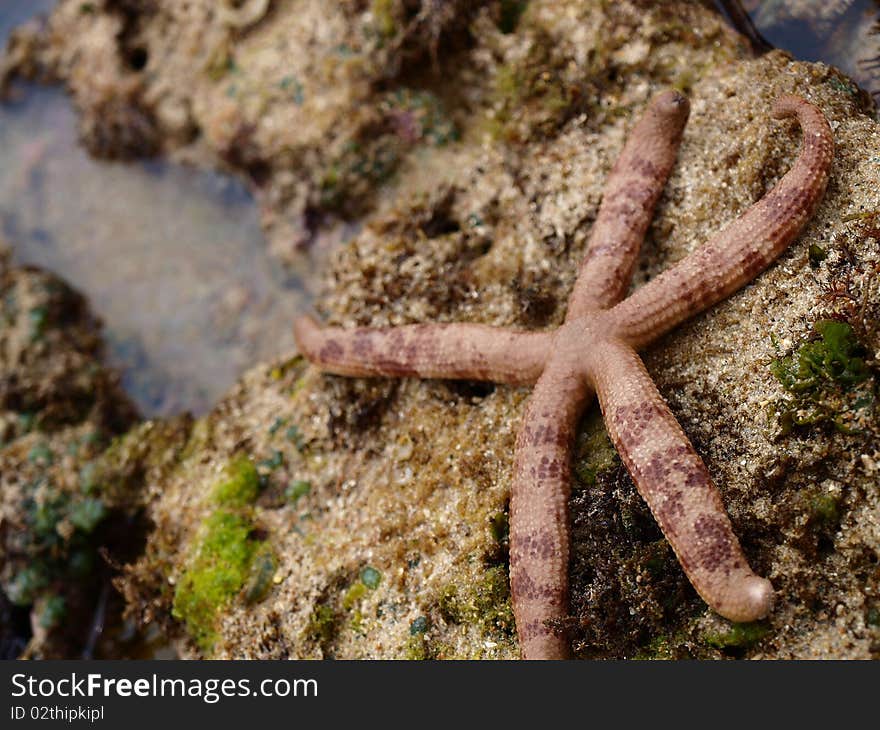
(172,259)
(843,33)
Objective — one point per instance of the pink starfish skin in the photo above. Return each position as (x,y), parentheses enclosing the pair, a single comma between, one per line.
(594,351)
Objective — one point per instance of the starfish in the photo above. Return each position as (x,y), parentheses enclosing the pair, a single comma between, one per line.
(595,352)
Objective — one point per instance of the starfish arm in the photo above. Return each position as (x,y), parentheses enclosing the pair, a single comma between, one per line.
(467,351)
(539,512)
(746,247)
(631,194)
(675,483)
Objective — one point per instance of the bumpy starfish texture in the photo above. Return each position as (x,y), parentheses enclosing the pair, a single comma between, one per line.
(594,352)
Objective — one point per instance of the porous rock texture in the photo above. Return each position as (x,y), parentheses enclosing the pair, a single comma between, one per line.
(382,503)
(59,409)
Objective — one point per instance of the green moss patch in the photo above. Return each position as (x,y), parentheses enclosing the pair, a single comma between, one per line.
(738,636)
(225,557)
(486,604)
(536,94)
(240,487)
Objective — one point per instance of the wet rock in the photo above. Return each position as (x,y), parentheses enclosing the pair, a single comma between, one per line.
(408,480)
(59,409)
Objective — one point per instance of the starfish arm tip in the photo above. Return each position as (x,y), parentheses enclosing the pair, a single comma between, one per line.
(673,102)
(754,600)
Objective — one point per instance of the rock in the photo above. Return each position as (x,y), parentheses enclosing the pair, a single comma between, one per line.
(260,90)
(367,518)
(59,408)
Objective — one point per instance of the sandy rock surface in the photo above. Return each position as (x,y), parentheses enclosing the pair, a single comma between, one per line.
(318,516)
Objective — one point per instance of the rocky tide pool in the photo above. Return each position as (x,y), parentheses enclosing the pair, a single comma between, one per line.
(172,259)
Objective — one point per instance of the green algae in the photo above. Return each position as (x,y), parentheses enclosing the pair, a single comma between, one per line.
(594,454)
(241,486)
(737,635)
(155,447)
(500,525)
(383,17)
(417,648)
(836,358)
(216,573)
(485,604)
(54,553)
(41,455)
(293,434)
(359,166)
(534,95)
(423,114)
(53,611)
(664,647)
(274,461)
(825,510)
(399,121)
(88,482)
(322,624)
(297,490)
(353,595)
(816,254)
(828,381)
(87,514)
(222,558)
(294,87)
(262,571)
(38,319)
(657,557)
(26,585)
(371,577)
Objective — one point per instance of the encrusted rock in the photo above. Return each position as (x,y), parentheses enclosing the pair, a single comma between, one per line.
(381,509)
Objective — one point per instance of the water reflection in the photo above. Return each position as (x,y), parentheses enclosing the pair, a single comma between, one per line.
(843,33)
(16,12)
(172,259)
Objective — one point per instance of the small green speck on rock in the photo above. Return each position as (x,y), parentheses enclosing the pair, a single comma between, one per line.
(54,610)
(23,588)
(41,454)
(273,462)
(371,577)
(260,579)
(816,254)
(500,527)
(297,490)
(87,514)
(295,436)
